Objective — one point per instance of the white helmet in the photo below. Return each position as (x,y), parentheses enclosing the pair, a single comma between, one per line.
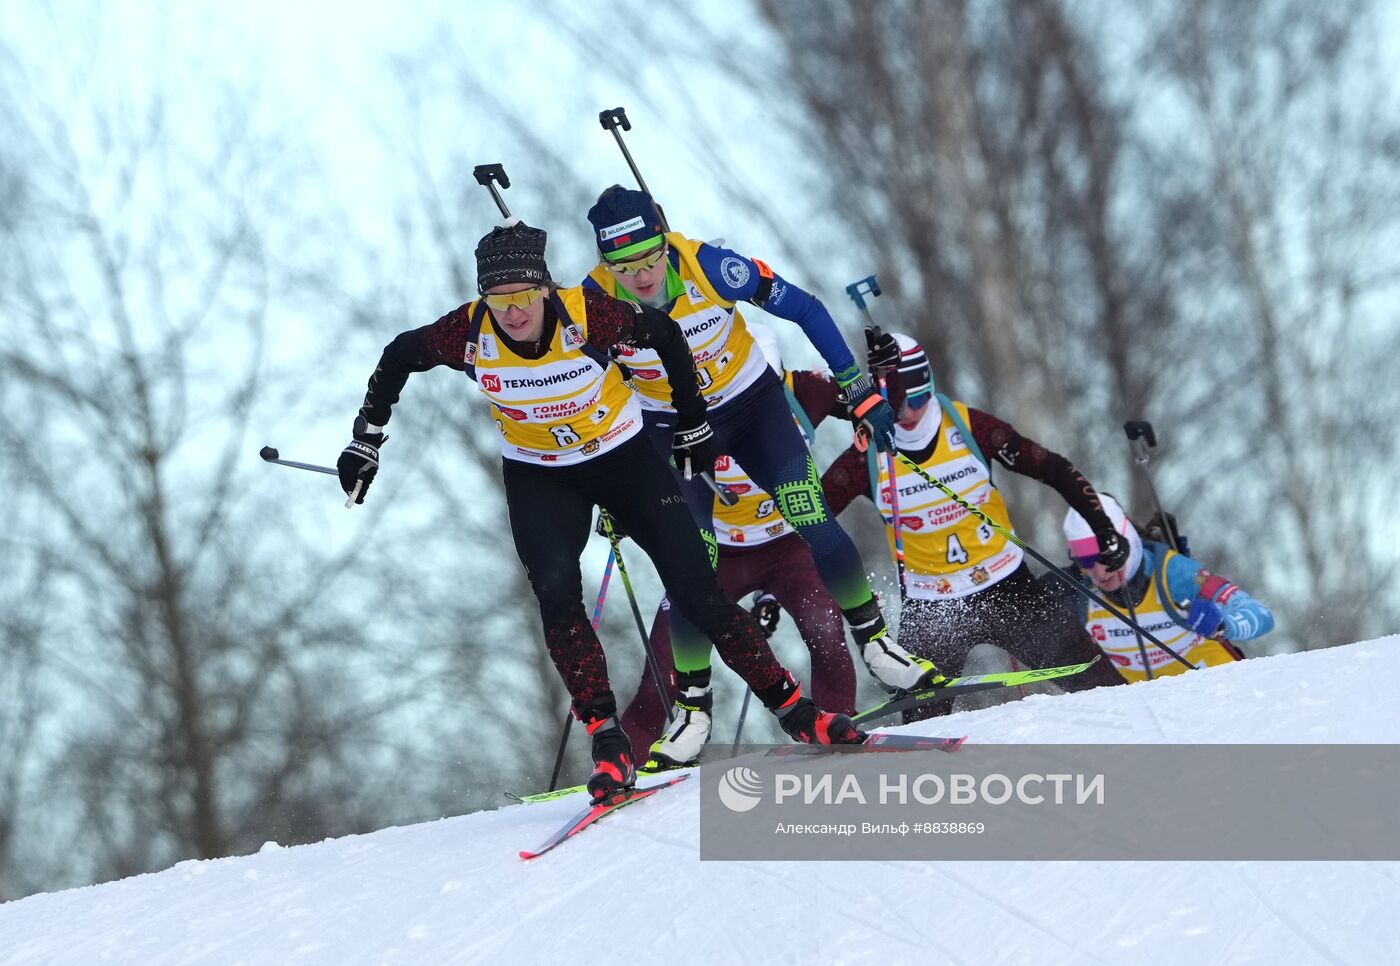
(1082,542)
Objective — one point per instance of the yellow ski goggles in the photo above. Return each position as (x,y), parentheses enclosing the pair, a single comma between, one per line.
(521,300)
(635,266)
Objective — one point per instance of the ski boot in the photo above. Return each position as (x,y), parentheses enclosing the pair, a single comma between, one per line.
(894,667)
(803,721)
(689,731)
(613,769)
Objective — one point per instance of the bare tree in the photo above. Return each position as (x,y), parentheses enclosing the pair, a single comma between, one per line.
(1289,117)
(1091,213)
(206,658)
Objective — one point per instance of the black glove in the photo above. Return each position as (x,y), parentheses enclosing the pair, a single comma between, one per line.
(881,351)
(873,416)
(1113,550)
(693,450)
(766,611)
(360,460)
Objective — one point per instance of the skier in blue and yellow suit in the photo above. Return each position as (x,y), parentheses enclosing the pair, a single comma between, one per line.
(1198,614)
(699,285)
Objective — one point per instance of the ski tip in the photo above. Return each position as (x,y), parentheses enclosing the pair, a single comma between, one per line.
(527,856)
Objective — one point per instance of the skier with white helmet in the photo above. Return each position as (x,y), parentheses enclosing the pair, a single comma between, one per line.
(964,582)
(1197,614)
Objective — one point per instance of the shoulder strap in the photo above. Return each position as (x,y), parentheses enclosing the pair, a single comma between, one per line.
(951,408)
(800,414)
(473,337)
(1159,578)
(565,321)
(686,249)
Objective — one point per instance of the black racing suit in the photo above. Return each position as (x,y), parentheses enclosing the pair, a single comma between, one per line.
(630,481)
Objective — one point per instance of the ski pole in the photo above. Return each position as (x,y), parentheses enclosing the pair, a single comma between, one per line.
(616,121)
(948,491)
(726,496)
(568,714)
(748,692)
(615,541)
(1142,438)
(1142,648)
(270,454)
(488,176)
(857,290)
(739,728)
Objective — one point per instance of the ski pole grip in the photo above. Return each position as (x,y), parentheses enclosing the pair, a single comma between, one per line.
(485,174)
(488,175)
(615,118)
(1141,438)
(1140,429)
(856,290)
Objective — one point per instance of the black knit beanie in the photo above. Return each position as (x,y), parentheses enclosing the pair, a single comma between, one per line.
(511,253)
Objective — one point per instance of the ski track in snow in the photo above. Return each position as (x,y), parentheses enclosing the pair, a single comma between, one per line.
(454,892)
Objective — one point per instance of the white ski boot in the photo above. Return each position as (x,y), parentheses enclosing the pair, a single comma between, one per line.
(689,732)
(894,667)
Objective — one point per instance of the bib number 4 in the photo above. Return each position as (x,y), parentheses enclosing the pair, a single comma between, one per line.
(956,553)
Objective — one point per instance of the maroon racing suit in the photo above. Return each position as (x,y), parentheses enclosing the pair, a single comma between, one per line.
(784,568)
(1018,613)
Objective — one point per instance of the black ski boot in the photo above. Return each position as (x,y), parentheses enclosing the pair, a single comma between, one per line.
(614,771)
(803,721)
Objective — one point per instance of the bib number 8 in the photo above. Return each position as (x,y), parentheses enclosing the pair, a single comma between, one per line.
(564,435)
(956,553)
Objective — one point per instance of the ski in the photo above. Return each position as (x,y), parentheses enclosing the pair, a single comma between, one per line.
(545,796)
(537,797)
(592,813)
(876,742)
(967,685)
(879,742)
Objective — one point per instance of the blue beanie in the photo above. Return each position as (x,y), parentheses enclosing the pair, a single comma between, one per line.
(624,219)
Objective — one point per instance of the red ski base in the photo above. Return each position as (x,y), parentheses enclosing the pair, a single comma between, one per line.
(591,814)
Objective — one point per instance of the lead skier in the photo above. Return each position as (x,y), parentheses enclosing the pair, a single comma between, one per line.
(571,437)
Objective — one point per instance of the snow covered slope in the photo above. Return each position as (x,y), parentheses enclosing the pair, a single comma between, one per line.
(632,888)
